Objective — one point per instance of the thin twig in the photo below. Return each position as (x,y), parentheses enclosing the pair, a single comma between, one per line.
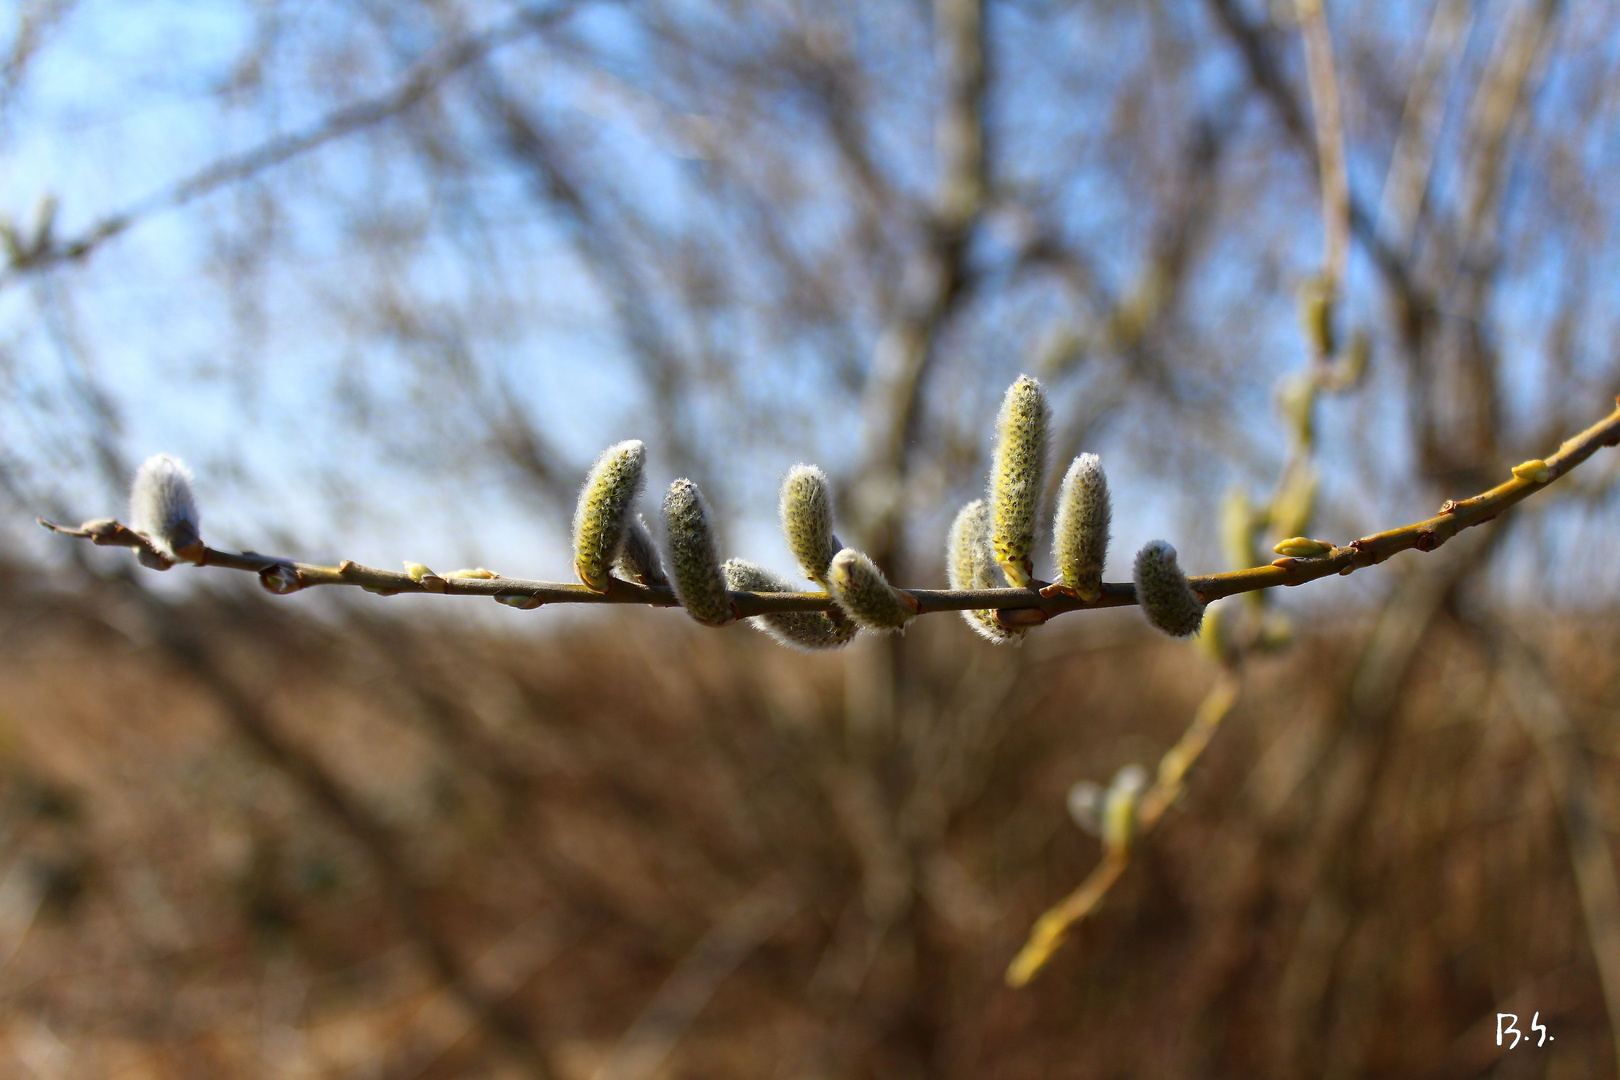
(280,575)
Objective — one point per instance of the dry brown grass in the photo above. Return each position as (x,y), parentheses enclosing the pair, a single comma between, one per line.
(580,812)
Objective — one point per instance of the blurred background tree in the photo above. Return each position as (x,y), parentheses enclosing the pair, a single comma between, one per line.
(389,276)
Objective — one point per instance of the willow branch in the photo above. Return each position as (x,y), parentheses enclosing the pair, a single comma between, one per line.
(281,575)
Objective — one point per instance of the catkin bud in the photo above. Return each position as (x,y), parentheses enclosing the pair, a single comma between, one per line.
(1080,530)
(606,505)
(425,577)
(795,629)
(1535,470)
(694,556)
(1086,801)
(161,506)
(865,595)
(1163,592)
(1016,477)
(1119,807)
(1303,547)
(807,521)
(970,564)
(638,560)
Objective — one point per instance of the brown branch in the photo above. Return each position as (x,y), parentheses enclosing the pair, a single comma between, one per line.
(280,575)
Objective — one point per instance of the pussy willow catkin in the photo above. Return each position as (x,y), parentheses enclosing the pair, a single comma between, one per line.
(604,511)
(162,506)
(795,629)
(1080,530)
(638,560)
(865,594)
(694,556)
(1163,592)
(970,564)
(1017,476)
(807,521)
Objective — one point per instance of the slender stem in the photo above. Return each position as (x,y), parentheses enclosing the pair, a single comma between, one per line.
(281,575)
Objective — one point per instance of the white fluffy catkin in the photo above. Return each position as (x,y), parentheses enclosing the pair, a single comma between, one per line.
(865,594)
(602,515)
(807,521)
(694,556)
(795,629)
(1080,529)
(970,564)
(162,506)
(1017,476)
(638,559)
(1163,592)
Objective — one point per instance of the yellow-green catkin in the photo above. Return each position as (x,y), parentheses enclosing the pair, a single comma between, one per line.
(694,555)
(1016,478)
(807,521)
(1080,529)
(638,559)
(1119,807)
(970,564)
(606,505)
(795,629)
(865,594)
(162,506)
(1163,592)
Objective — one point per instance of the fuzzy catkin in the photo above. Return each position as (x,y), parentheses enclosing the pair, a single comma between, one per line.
(1163,592)
(865,594)
(1080,530)
(970,564)
(695,556)
(602,515)
(1016,478)
(638,559)
(795,629)
(807,521)
(162,506)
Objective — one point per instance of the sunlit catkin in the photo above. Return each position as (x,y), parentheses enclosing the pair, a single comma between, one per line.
(865,594)
(1080,529)
(795,629)
(638,560)
(606,505)
(161,506)
(1163,592)
(970,564)
(695,556)
(807,521)
(1016,478)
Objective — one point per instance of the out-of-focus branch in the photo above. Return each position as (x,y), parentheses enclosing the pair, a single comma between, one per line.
(1407,181)
(43,249)
(1051,928)
(933,279)
(285,576)
(1324,85)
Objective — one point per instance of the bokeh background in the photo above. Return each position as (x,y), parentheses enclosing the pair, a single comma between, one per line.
(389,275)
